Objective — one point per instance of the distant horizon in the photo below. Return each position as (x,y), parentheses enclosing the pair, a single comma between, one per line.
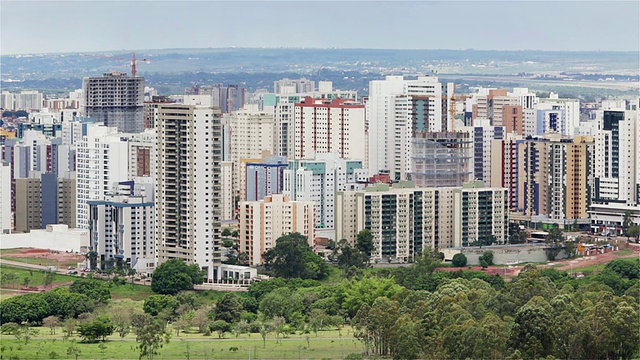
(52,27)
(313,48)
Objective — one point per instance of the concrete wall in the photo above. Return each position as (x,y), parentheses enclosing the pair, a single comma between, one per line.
(509,254)
(54,237)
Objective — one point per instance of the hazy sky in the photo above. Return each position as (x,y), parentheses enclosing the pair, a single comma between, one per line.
(69,26)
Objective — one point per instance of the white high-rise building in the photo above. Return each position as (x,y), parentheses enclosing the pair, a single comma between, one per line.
(263,222)
(323,126)
(28,100)
(394,105)
(617,166)
(102,159)
(251,133)
(318,179)
(5,198)
(226,176)
(188,186)
(123,227)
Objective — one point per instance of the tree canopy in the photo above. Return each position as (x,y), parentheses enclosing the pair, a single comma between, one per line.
(293,258)
(174,276)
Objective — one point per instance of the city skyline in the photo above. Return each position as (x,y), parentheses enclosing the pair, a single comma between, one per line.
(480,25)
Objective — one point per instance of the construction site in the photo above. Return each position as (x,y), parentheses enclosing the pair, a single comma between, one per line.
(441,159)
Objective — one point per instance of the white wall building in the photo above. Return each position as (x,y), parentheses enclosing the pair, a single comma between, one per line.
(323,126)
(102,159)
(388,114)
(226,177)
(263,222)
(123,228)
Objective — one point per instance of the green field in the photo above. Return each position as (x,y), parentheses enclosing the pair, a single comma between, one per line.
(41,261)
(328,345)
(37,276)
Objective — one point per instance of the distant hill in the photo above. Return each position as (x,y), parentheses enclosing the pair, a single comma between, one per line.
(171,69)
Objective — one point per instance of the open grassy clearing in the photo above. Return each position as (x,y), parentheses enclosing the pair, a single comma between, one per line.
(328,345)
(624,252)
(36,276)
(4,252)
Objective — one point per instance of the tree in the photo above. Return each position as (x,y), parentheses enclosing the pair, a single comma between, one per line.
(634,232)
(486,259)
(51,322)
(150,333)
(49,276)
(100,327)
(348,256)
(93,288)
(516,235)
(174,276)
(627,223)
(155,304)
(221,327)
(73,350)
(459,260)
(229,308)
(292,257)
(26,281)
(226,232)
(364,242)
(554,240)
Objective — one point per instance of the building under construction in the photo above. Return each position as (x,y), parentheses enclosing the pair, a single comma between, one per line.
(441,159)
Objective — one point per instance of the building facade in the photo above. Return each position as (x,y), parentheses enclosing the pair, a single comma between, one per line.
(263,222)
(188,186)
(116,99)
(318,179)
(406,220)
(122,229)
(323,126)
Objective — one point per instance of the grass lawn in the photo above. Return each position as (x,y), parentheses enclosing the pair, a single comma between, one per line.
(624,252)
(10,251)
(137,292)
(328,345)
(41,261)
(37,276)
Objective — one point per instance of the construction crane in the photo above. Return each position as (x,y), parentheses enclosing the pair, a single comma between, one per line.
(133,61)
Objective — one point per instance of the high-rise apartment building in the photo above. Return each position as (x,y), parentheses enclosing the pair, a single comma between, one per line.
(262,178)
(318,179)
(289,86)
(102,160)
(406,220)
(396,109)
(28,204)
(323,126)
(228,211)
(482,134)
(551,178)
(123,228)
(617,167)
(440,159)
(5,197)
(251,133)
(116,99)
(263,222)
(188,186)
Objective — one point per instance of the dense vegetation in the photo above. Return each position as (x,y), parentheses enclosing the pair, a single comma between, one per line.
(404,313)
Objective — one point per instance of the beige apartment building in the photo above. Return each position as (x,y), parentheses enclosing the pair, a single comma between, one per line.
(263,222)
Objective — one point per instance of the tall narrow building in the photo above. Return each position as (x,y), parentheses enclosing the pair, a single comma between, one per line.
(116,99)
(188,186)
